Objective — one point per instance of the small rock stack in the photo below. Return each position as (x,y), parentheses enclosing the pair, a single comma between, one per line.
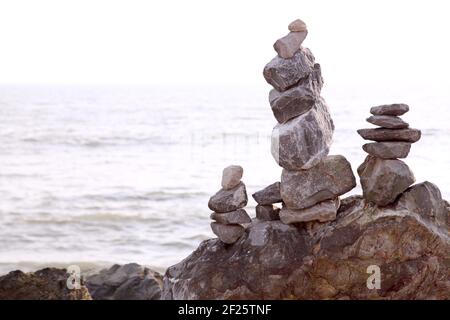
(228,204)
(384,177)
(311,181)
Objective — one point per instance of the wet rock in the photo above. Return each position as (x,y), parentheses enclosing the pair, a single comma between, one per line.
(125,282)
(383,180)
(388,122)
(327,180)
(297,26)
(388,150)
(233,217)
(322,212)
(396,109)
(267,212)
(283,74)
(380,134)
(291,103)
(227,233)
(287,46)
(231,176)
(269,195)
(229,200)
(304,141)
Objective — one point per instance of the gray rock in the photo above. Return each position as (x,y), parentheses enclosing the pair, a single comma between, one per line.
(287,46)
(323,211)
(231,176)
(388,150)
(304,141)
(380,134)
(297,26)
(388,122)
(269,195)
(227,233)
(327,180)
(234,217)
(291,103)
(267,212)
(283,74)
(383,180)
(396,109)
(229,200)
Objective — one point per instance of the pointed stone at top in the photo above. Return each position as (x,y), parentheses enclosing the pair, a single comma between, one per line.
(297,26)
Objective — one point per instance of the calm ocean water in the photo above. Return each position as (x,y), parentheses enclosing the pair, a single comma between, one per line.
(102,175)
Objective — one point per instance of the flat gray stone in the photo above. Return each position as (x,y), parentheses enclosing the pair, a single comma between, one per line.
(388,150)
(380,134)
(327,180)
(269,195)
(234,217)
(382,181)
(322,212)
(388,122)
(227,233)
(267,212)
(229,200)
(287,46)
(297,26)
(231,176)
(396,109)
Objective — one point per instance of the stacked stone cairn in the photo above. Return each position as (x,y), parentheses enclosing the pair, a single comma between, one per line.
(311,181)
(228,204)
(384,177)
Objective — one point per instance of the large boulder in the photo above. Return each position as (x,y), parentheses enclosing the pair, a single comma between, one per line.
(273,260)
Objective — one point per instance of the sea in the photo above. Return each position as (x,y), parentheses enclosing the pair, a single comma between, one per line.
(98,175)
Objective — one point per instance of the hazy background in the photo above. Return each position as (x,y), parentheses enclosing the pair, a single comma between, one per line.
(118,116)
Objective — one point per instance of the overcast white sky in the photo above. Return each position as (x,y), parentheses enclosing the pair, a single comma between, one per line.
(220,42)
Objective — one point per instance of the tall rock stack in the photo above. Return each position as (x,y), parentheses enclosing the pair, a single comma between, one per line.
(311,181)
(228,204)
(383,176)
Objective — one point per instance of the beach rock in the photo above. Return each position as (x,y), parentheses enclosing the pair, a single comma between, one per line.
(304,141)
(283,74)
(291,103)
(268,195)
(323,211)
(276,261)
(329,179)
(383,180)
(267,212)
(233,217)
(287,46)
(388,122)
(396,109)
(388,150)
(45,284)
(297,26)
(125,282)
(380,134)
(227,233)
(231,177)
(229,200)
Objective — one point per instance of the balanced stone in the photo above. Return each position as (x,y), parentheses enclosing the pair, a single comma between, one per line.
(389,122)
(302,142)
(291,103)
(234,217)
(329,179)
(323,211)
(267,212)
(268,195)
(388,150)
(283,74)
(297,26)
(229,200)
(380,134)
(227,233)
(287,46)
(382,181)
(396,109)
(231,176)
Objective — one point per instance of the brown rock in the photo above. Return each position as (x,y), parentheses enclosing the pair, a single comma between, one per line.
(231,176)
(229,200)
(388,150)
(297,26)
(268,195)
(287,46)
(323,211)
(227,233)
(388,122)
(267,212)
(396,109)
(380,134)
(234,217)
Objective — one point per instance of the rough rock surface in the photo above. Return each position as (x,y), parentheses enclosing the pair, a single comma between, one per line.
(388,122)
(45,284)
(267,212)
(229,200)
(323,211)
(396,109)
(383,180)
(297,26)
(291,103)
(304,141)
(127,282)
(231,176)
(287,46)
(381,134)
(278,261)
(388,150)
(269,195)
(233,217)
(227,233)
(329,179)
